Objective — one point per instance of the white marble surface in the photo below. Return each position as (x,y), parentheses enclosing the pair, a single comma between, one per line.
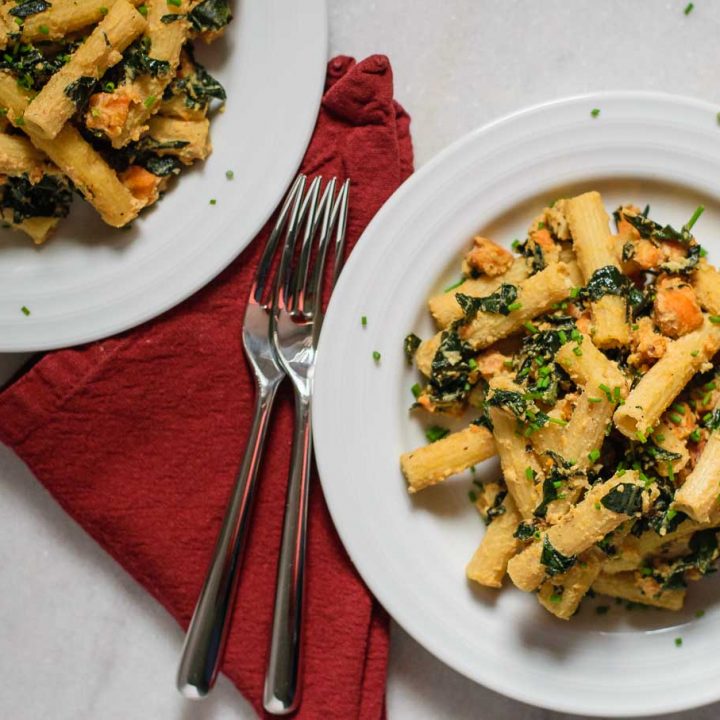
(79,640)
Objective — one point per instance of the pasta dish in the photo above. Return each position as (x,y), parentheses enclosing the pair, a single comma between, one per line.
(103,97)
(584,360)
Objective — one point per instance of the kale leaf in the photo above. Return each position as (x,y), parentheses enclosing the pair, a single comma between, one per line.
(497,509)
(198,87)
(703,554)
(210,15)
(712,420)
(50,197)
(525,531)
(550,492)
(137,61)
(555,562)
(624,498)
(79,91)
(497,302)
(450,369)
(410,346)
(606,280)
(29,7)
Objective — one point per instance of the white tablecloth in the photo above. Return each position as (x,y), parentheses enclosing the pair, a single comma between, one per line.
(79,640)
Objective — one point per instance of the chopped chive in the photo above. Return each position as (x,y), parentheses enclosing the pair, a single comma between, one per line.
(557,484)
(659,437)
(175,3)
(18,21)
(531,328)
(640,436)
(472,363)
(363,320)
(574,292)
(671,472)
(508,363)
(149,101)
(103,10)
(699,613)
(143,10)
(20,120)
(699,210)
(213,201)
(703,252)
(454,285)
(597,505)
(616,394)
(715,319)
(376,356)
(709,386)
(676,418)
(529,473)
(555,598)
(695,353)
(695,435)
(620,471)
(229,174)
(593,455)
(109,86)
(679,408)
(678,642)
(577,351)
(435,433)
(606,390)
(706,398)
(44,29)
(416,390)
(688,8)
(646,571)
(473,496)
(595,112)
(563,336)
(634,327)
(557,421)
(514,306)
(25,311)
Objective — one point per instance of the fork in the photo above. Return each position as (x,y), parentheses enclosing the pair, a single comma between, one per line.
(297,318)
(207,633)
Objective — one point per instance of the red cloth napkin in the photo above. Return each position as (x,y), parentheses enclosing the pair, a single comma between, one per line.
(139,437)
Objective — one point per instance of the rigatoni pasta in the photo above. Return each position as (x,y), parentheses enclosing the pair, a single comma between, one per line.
(587,364)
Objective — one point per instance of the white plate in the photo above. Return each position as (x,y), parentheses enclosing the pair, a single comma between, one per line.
(412,551)
(91,281)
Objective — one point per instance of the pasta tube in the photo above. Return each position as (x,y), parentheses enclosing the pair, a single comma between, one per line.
(588,223)
(562,595)
(622,585)
(587,523)
(662,383)
(58,100)
(433,463)
(489,563)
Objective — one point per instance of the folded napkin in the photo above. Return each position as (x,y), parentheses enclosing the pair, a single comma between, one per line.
(139,437)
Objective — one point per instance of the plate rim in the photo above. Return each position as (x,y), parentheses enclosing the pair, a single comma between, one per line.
(78,334)
(439,651)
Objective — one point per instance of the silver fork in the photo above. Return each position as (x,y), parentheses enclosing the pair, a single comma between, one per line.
(298,315)
(207,633)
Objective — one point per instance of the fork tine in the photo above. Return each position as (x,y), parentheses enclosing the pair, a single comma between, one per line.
(301,270)
(342,204)
(304,208)
(263,269)
(325,222)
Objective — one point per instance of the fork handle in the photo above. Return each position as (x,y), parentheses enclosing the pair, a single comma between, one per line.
(207,633)
(282,686)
